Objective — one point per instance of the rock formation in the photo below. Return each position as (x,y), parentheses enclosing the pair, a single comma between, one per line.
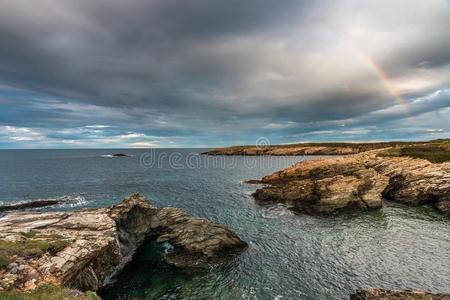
(380,294)
(85,249)
(362,180)
(196,242)
(120,155)
(32,204)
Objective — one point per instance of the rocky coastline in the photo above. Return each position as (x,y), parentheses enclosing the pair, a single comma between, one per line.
(362,181)
(333,148)
(436,151)
(85,250)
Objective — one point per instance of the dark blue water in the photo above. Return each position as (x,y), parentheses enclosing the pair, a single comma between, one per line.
(290,256)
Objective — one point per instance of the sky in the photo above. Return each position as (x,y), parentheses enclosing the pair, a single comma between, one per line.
(209,73)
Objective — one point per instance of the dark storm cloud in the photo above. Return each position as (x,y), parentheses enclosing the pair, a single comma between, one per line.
(104,51)
(204,69)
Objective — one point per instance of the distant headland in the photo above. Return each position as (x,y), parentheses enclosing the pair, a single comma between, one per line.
(435,151)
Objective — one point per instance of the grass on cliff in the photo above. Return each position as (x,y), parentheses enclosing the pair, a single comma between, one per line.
(49,292)
(32,245)
(437,151)
(361,146)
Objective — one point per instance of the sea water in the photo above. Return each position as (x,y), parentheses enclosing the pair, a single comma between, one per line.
(290,256)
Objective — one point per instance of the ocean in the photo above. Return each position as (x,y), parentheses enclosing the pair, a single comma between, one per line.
(290,256)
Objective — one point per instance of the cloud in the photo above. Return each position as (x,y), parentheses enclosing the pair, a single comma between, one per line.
(20,133)
(220,72)
(98,126)
(73,137)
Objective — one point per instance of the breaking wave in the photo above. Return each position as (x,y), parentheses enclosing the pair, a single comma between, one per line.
(66,201)
(72,200)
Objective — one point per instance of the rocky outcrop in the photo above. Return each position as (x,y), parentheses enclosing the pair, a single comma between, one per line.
(31,204)
(197,242)
(120,155)
(380,294)
(327,185)
(85,249)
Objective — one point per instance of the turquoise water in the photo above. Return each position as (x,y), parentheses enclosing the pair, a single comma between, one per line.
(290,256)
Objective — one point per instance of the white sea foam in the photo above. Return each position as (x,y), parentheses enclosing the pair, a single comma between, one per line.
(167,247)
(67,201)
(72,200)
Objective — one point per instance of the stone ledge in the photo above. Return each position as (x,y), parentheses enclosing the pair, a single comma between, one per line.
(95,244)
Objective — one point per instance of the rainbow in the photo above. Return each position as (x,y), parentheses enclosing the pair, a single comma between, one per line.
(376,68)
(384,78)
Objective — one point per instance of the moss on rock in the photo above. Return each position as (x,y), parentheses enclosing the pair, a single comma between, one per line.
(32,245)
(49,292)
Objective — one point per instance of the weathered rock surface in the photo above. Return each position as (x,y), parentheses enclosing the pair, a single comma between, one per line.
(302,149)
(97,243)
(327,185)
(380,294)
(197,242)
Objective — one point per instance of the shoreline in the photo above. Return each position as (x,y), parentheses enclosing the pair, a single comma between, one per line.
(85,250)
(362,180)
(435,151)
(359,181)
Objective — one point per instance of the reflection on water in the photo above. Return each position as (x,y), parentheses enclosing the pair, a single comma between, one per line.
(291,256)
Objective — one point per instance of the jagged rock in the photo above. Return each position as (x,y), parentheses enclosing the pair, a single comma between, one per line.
(360,180)
(31,204)
(324,196)
(197,242)
(85,249)
(380,294)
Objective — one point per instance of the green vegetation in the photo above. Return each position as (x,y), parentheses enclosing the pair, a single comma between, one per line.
(362,146)
(4,261)
(436,151)
(32,246)
(366,146)
(49,292)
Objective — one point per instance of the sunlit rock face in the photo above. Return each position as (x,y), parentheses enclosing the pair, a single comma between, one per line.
(86,249)
(359,181)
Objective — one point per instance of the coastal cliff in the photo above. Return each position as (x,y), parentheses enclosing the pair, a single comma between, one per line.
(436,151)
(286,150)
(358,181)
(84,250)
(332,148)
